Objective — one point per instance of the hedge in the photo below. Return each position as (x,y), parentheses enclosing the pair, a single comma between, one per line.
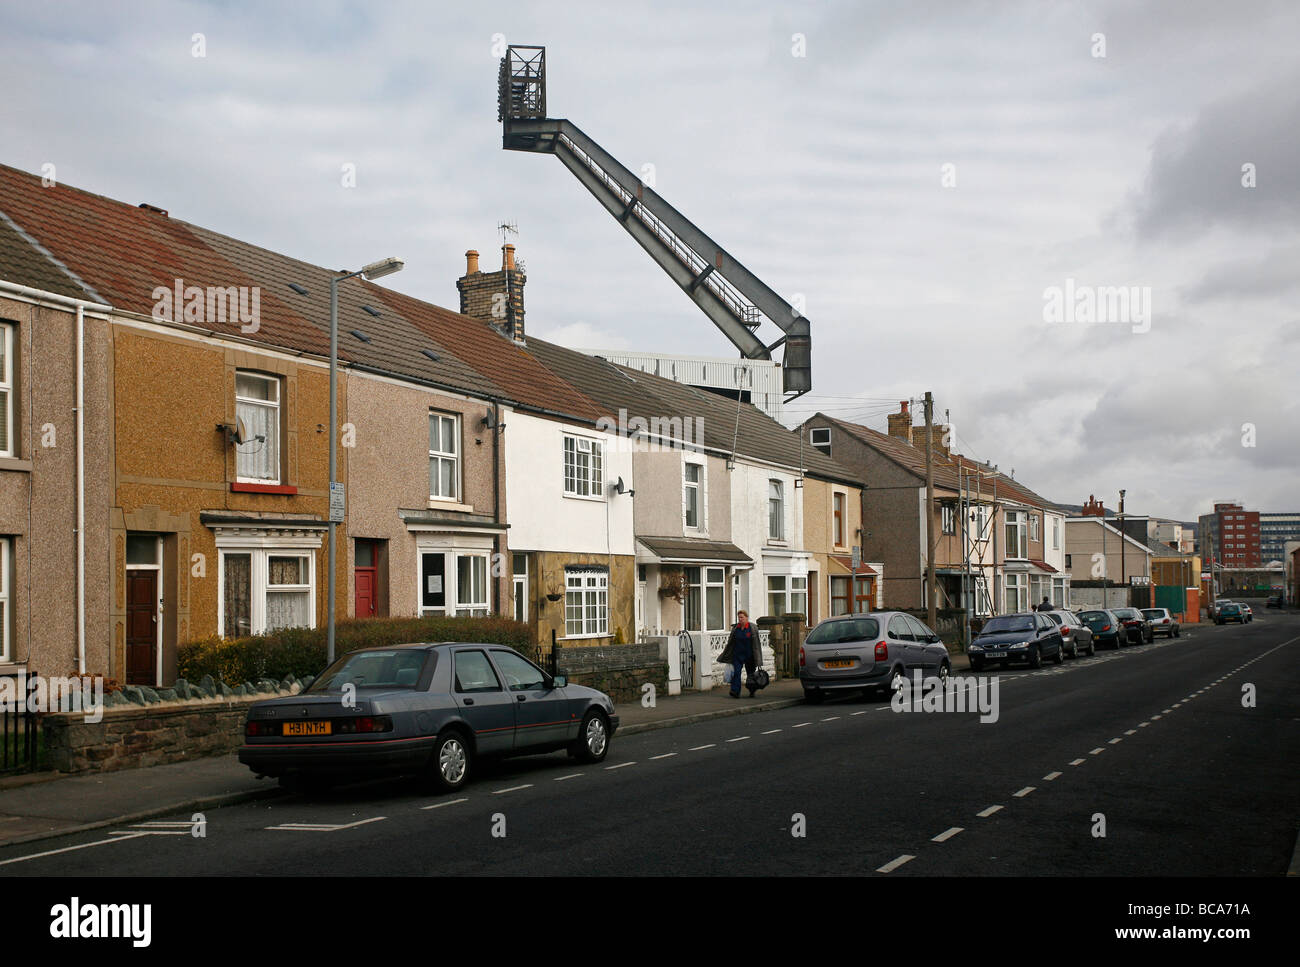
(300,652)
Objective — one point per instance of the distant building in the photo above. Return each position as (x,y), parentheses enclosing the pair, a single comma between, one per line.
(756,381)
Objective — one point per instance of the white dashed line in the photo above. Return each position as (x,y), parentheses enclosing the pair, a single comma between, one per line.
(895,863)
(1154,717)
(1116,740)
(863,712)
(1025,792)
(988,812)
(527,785)
(739,738)
(571,775)
(666,755)
(1097,751)
(1131,732)
(619,766)
(831,719)
(1077,762)
(699,747)
(1052,775)
(771,732)
(450,802)
(802,724)
(947,834)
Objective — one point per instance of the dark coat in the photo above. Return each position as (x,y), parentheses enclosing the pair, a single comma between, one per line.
(726,656)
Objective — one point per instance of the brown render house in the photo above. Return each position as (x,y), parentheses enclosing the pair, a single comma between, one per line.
(204,448)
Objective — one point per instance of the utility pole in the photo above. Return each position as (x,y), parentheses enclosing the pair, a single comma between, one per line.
(1123,542)
(930,530)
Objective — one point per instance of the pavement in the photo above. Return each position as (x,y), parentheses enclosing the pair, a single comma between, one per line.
(38,806)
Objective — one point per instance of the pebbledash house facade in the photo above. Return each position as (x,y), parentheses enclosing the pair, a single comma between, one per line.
(164,458)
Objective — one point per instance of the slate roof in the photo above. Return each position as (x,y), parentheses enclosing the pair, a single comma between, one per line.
(747,429)
(122,253)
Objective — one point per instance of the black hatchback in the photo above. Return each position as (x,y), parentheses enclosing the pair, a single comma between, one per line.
(1029,637)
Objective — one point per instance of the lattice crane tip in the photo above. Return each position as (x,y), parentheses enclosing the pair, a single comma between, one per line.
(733,298)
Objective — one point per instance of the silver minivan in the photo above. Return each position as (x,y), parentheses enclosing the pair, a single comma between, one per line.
(868,652)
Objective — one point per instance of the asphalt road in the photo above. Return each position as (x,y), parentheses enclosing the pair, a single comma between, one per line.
(1153,738)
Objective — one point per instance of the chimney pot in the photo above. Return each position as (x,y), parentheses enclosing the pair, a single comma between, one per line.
(508,257)
(471,262)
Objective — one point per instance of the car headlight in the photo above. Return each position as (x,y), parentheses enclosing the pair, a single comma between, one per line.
(1021,644)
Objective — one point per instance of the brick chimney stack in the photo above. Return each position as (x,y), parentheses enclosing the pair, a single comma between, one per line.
(1094,508)
(900,423)
(496,298)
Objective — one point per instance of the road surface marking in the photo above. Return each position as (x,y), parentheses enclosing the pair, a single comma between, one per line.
(325,827)
(68,849)
(439,805)
(988,812)
(1097,751)
(526,785)
(771,731)
(666,755)
(571,775)
(895,863)
(863,712)
(1077,762)
(1115,741)
(1131,732)
(620,765)
(831,719)
(740,738)
(1024,792)
(947,834)
(1154,717)
(699,747)
(802,724)
(1054,775)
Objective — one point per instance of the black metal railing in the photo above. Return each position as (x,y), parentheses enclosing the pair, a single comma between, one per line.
(19,729)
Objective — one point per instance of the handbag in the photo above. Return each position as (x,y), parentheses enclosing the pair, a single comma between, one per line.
(761,678)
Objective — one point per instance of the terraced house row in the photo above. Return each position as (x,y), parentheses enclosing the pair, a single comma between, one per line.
(164,458)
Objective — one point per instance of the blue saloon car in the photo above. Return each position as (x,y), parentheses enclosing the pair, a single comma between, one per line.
(431,709)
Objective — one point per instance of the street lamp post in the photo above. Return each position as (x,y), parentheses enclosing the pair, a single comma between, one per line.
(375,270)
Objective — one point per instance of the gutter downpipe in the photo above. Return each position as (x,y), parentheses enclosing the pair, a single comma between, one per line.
(81,305)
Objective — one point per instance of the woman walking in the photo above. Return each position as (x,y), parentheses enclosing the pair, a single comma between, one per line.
(743,651)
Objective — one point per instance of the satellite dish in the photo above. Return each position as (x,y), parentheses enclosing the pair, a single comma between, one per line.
(241,432)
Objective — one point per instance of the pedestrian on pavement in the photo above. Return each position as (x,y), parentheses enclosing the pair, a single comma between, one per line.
(743,651)
(1046,605)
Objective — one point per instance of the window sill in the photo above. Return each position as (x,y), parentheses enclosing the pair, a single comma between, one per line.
(596,499)
(442,503)
(14,463)
(584,637)
(241,487)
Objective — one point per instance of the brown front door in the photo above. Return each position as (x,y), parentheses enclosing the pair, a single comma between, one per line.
(141,627)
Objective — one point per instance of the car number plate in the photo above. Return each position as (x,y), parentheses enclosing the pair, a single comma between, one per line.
(306,728)
(842,663)
(995,654)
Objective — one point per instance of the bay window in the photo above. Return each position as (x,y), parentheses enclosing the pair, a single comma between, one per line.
(454,582)
(586,602)
(265,589)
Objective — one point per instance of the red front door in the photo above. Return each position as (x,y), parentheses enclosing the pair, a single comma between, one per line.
(367,600)
(141,627)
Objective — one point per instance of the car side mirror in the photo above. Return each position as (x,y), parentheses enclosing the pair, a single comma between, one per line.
(559,681)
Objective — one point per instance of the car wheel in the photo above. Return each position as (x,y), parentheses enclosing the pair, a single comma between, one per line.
(814,696)
(1178,632)
(1151,638)
(592,744)
(896,680)
(944,671)
(976,665)
(1036,659)
(450,763)
(1060,654)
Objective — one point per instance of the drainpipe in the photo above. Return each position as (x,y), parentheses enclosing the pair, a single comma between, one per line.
(81,305)
(496,503)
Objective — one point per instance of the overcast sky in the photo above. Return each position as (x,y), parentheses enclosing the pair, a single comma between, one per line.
(823,173)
